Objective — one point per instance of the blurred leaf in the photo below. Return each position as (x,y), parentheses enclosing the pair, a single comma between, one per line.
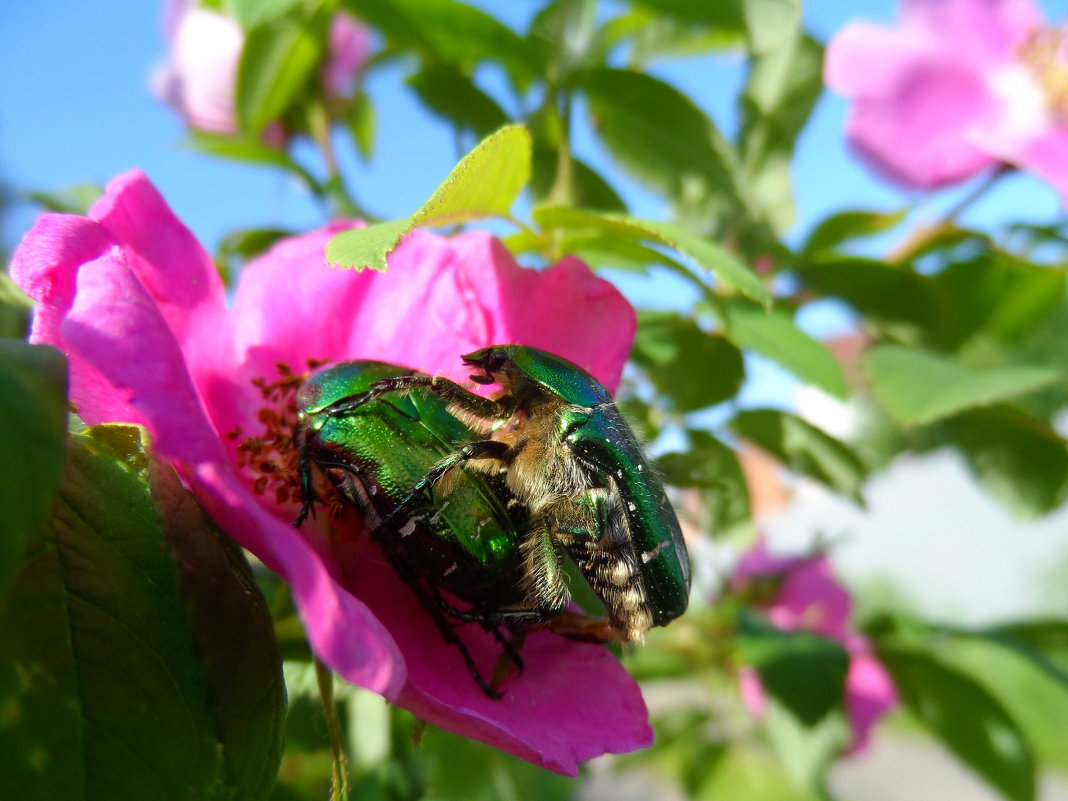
(804,672)
(963,715)
(485,183)
(33,431)
(252,151)
(452,33)
(803,448)
(1032,689)
(454,97)
(753,774)
(807,752)
(16,309)
(994,295)
(589,188)
(668,149)
(712,467)
(234,635)
(884,294)
(277,62)
(776,336)
(103,693)
(847,225)
(250,13)
(919,387)
(692,369)
(784,83)
(76,199)
(1019,460)
(1044,642)
(703,251)
(361,121)
(770,23)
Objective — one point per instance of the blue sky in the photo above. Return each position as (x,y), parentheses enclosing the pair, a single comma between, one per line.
(75,107)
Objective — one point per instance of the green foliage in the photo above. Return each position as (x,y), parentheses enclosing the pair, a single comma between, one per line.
(106,684)
(33,422)
(485,183)
(917,387)
(966,717)
(803,447)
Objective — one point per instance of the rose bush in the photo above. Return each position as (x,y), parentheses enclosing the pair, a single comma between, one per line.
(205,49)
(137,306)
(808,598)
(958,87)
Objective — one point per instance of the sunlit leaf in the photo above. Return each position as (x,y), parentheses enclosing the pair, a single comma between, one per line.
(919,387)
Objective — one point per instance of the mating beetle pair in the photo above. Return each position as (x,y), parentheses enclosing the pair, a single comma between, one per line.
(482,497)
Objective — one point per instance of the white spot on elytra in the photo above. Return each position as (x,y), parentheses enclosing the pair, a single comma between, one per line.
(649,556)
(438,513)
(631,506)
(450,569)
(409,528)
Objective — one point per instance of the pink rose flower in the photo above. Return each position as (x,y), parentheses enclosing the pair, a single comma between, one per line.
(808,598)
(136,304)
(958,87)
(206,47)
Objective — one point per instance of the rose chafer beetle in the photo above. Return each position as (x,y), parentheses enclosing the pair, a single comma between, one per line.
(572,462)
(465,543)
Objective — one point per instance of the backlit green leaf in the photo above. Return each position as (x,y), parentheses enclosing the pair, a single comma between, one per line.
(918,387)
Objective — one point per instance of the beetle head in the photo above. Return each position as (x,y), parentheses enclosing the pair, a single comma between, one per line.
(491,361)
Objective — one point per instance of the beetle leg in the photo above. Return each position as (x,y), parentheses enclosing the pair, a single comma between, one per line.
(308,496)
(483,449)
(470,405)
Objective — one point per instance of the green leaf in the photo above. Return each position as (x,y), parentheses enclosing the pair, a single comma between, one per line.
(895,298)
(485,183)
(361,121)
(966,717)
(453,96)
(234,634)
(452,33)
(659,135)
(33,429)
(249,150)
(1044,642)
(589,188)
(277,62)
(714,367)
(918,387)
(848,225)
(713,468)
(776,336)
(250,13)
(769,23)
(1018,459)
(704,252)
(16,309)
(804,448)
(107,690)
(994,295)
(103,692)
(804,671)
(76,199)
(784,83)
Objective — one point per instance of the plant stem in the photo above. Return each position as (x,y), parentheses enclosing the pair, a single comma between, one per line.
(339,774)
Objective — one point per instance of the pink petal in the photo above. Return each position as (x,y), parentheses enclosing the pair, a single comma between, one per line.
(812,600)
(980,30)
(200,82)
(869,694)
(1047,157)
(917,133)
(758,562)
(342,631)
(752,691)
(349,43)
(574,701)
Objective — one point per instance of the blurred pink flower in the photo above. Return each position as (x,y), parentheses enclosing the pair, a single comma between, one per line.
(136,304)
(807,597)
(958,87)
(205,49)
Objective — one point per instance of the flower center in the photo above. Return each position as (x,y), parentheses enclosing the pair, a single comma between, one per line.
(272,457)
(1045,56)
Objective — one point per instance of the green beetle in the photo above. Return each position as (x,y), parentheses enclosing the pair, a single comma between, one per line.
(572,461)
(466,543)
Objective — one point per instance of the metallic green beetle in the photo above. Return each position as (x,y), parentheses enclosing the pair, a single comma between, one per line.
(571,460)
(465,543)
